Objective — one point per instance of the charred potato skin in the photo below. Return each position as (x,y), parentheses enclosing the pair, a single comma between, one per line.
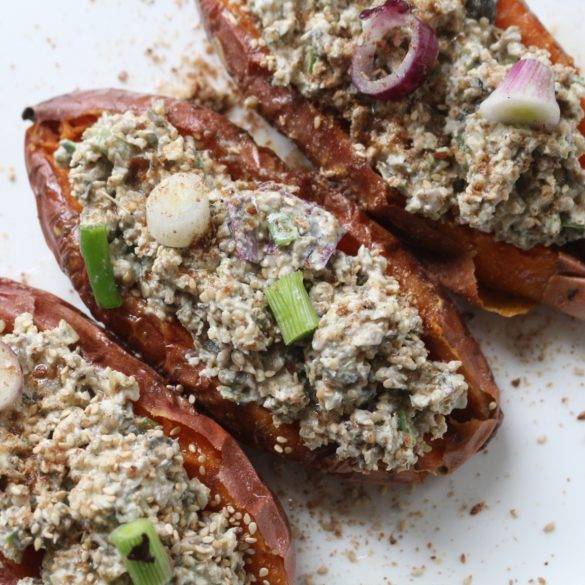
(492,275)
(228,470)
(165,345)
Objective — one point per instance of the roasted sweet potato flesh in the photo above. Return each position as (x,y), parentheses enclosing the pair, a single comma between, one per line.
(228,472)
(165,344)
(493,275)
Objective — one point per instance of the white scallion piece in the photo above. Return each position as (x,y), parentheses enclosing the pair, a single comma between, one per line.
(177,210)
(11,378)
(525,97)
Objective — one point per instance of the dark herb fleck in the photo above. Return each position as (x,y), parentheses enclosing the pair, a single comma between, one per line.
(141,552)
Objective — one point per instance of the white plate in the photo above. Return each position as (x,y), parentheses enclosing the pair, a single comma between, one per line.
(535,466)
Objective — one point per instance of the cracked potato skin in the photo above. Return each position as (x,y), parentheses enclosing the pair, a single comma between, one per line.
(228,472)
(165,344)
(492,275)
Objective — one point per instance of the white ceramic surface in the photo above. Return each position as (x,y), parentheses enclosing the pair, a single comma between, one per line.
(533,473)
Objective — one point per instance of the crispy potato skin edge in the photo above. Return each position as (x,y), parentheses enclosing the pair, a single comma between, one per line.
(165,345)
(234,475)
(492,275)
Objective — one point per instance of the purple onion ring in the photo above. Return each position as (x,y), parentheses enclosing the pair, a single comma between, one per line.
(415,68)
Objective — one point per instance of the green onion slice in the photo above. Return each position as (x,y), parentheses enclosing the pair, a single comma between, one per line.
(96,255)
(145,557)
(282,229)
(292,307)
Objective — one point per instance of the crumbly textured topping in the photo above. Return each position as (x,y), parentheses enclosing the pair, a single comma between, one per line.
(75,463)
(364,383)
(525,186)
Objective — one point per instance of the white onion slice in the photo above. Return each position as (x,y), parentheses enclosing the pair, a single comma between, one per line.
(177,210)
(11,378)
(525,97)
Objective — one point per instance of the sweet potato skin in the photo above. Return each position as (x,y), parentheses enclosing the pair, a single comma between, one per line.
(228,471)
(492,275)
(165,344)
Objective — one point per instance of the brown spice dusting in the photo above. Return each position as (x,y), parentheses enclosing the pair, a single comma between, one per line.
(515,382)
(581,416)
(201,81)
(477,508)
(550,527)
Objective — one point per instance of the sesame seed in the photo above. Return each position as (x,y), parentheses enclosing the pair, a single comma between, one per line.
(278,449)
(175,431)
(263,572)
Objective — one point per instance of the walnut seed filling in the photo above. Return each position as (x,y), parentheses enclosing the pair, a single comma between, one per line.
(97,466)
(362,381)
(523,185)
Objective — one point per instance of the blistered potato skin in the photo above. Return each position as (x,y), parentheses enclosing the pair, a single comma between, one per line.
(228,471)
(492,275)
(165,345)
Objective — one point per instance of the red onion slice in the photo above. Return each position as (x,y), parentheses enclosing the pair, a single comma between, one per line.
(416,66)
(247,245)
(11,378)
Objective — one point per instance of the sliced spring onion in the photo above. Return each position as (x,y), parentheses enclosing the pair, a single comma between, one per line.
(292,307)
(177,210)
(282,229)
(525,97)
(11,377)
(95,250)
(145,557)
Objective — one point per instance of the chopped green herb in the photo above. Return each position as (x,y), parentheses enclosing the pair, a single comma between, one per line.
(148,423)
(145,557)
(282,229)
(311,59)
(68,145)
(404,423)
(292,307)
(578,227)
(95,250)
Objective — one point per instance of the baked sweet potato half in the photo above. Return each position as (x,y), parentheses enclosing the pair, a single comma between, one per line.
(211,335)
(55,344)
(424,164)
